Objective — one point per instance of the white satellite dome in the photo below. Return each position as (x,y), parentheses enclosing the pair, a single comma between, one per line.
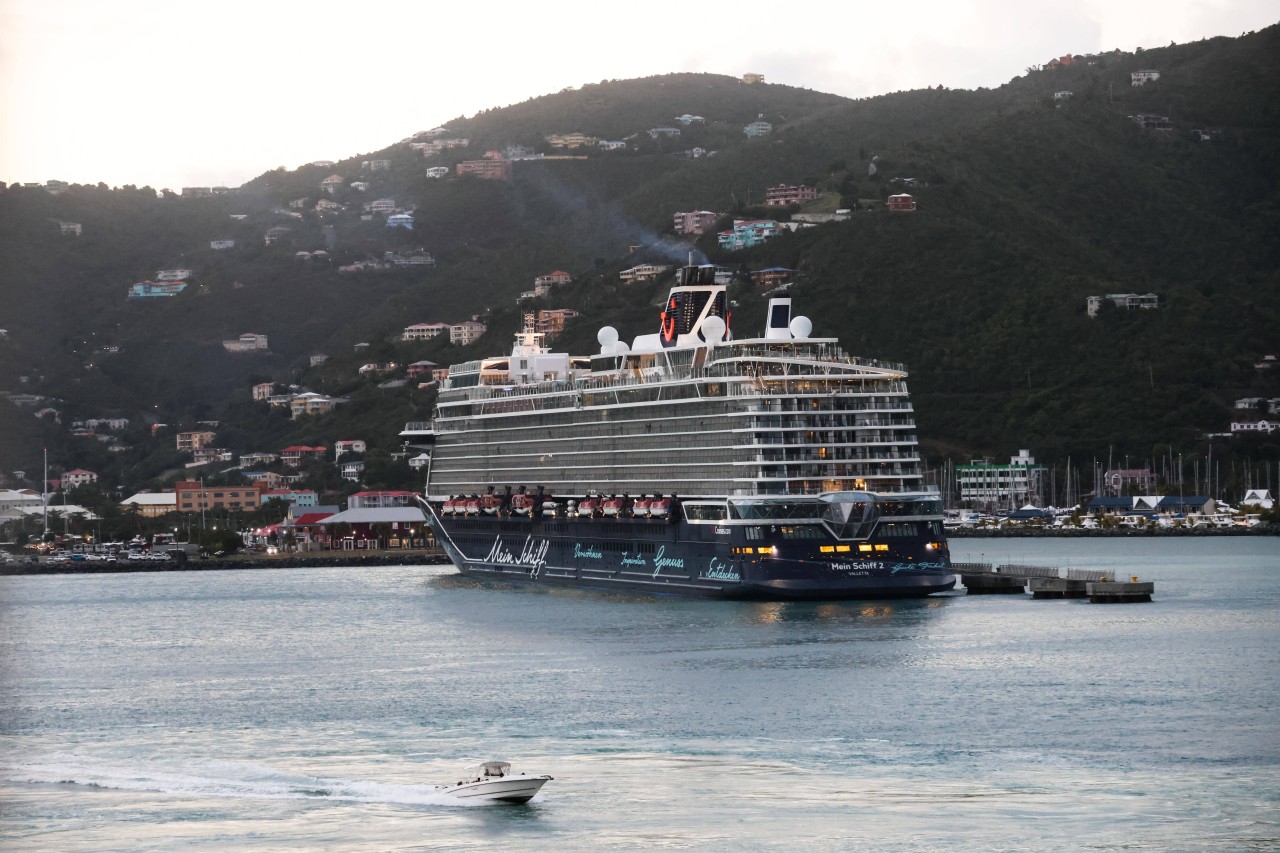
(713,329)
(801,327)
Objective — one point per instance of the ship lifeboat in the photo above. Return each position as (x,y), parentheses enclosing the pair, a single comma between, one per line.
(471,506)
(640,509)
(612,507)
(453,506)
(489,504)
(588,507)
(550,509)
(521,504)
(659,507)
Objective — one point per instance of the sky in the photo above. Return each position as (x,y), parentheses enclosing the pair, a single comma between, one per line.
(173,94)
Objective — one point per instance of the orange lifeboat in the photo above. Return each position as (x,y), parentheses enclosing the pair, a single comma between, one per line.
(489,504)
(521,504)
(640,509)
(612,507)
(659,507)
(471,506)
(588,507)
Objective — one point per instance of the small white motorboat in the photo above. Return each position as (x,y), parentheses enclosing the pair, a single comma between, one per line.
(493,780)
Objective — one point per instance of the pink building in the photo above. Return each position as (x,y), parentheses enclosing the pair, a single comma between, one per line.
(694,222)
(784,194)
(902,202)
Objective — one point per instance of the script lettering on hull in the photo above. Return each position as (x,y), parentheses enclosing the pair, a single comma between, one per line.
(532,556)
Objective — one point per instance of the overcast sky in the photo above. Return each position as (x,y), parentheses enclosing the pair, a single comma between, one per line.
(172,94)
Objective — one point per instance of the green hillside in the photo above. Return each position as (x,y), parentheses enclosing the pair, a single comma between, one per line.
(1027,205)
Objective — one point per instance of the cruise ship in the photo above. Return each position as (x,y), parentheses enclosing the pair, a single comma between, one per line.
(688,462)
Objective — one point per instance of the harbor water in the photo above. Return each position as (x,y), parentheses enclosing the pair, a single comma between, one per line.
(314,709)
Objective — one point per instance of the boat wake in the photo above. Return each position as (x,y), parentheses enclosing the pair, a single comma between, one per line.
(218,779)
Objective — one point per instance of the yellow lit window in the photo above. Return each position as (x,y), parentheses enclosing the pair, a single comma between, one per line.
(882,547)
(864,548)
(827,549)
(843,549)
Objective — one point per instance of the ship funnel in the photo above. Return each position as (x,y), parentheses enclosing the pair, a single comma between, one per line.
(778,323)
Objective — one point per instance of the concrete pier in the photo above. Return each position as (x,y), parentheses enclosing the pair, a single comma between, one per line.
(1057,588)
(1048,582)
(1116,592)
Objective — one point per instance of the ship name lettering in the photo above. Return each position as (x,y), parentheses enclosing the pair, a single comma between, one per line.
(590,552)
(533,555)
(661,562)
(637,560)
(717,570)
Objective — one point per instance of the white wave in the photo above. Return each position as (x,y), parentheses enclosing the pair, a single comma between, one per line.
(218,779)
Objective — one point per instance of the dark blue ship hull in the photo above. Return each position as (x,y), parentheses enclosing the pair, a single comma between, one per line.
(682,558)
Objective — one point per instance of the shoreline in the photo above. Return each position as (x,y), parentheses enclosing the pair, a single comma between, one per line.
(1154,533)
(310,561)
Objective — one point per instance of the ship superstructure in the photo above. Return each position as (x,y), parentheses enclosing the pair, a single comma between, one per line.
(783,466)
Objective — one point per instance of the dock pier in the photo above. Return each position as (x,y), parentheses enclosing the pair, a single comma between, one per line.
(1044,582)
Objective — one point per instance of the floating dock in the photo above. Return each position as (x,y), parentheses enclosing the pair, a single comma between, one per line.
(1049,582)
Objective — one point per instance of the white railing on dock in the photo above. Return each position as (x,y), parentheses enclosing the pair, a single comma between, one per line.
(1017,571)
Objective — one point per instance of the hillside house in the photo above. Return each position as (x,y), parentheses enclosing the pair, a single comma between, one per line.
(901,203)
(612,145)
(663,132)
(771,276)
(694,221)
(247,342)
(400,220)
(249,460)
(382,205)
(1127,301)
(1245,425)
(293,497)
(550,321)
(326,205)
(1119,481)
(423,331)
(1063,95)
(218,245)
(311,403)
(354,445)
(747,233)
(77,477)
(377,165)
(375,368)
(758,128)
(420,368)
(1259,498)
(275,234)
(294,455)
(687,119)
(437,171)
(173,275)
(72,228)
(784,194)
(1151,121)
(205,455)
(352,470)
(489,170)
(751,78)
(192,440)
(552,279)
(642,272)
(1141,78)
(331,183)
(360,186)
(318,359)
(381,500)
(577,139)
(466,332)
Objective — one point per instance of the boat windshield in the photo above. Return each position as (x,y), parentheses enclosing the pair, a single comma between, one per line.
(491,768)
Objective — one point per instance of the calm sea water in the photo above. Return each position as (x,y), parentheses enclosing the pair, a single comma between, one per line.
(315,709)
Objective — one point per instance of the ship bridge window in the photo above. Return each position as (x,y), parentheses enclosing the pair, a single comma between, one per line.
(705,512)
(774,509)
(899,529)
(849,515)
(919,506)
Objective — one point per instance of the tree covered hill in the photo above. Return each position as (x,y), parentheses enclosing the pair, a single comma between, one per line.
(1027,205)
